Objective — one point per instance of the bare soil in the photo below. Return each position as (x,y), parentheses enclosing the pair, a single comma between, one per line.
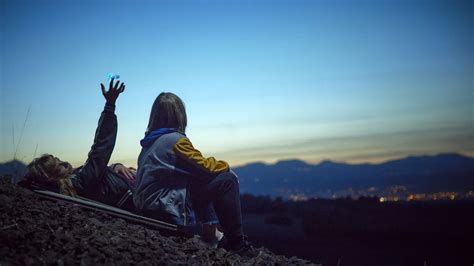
(34,231)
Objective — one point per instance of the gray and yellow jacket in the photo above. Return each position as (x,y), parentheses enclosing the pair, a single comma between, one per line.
(167,166)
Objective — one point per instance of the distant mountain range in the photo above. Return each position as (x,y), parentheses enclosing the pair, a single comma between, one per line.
(416,174)
(14,168)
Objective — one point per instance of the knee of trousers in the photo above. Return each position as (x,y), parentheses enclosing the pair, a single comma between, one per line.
(230,177)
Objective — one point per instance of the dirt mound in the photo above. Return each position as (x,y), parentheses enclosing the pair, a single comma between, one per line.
(37,231)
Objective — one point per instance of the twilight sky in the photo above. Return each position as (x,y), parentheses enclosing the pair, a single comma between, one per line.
(354,81)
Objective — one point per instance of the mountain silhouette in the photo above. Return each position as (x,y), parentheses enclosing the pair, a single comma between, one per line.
(16,169)
(417,174)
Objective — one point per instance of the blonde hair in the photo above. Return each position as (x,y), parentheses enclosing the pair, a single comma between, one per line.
(43,171)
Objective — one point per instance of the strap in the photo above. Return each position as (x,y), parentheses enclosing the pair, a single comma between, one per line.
(124,198)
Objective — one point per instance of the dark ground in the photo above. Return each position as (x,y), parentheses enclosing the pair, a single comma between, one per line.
(43,232)
(364,232)
(327,232)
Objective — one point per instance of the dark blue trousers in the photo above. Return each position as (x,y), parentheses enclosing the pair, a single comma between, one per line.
(221,194)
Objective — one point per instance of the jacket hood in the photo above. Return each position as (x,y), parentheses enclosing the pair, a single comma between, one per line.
(149,138)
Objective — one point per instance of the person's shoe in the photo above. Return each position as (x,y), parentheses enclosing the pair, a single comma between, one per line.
(242,247)
(245,249)
(215,242)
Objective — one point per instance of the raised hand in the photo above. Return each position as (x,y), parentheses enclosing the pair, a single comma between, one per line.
(114,90)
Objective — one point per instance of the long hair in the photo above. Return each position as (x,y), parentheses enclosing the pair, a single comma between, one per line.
(168,111)
(44,172)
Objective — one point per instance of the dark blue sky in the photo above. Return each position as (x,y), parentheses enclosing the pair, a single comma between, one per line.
(262,80)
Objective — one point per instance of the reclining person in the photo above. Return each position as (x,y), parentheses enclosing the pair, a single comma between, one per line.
(112,185)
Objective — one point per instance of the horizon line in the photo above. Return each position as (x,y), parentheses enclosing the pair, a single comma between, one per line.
(359,163)
(468,155)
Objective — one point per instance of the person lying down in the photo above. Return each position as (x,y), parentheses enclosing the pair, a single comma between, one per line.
(112,185)
(115,185)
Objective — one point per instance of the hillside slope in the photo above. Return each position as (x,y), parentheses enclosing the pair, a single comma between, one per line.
(35,231)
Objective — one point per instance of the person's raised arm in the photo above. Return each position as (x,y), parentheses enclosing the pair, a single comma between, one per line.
(104,140)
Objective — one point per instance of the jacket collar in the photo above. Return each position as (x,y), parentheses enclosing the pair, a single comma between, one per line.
(149,138)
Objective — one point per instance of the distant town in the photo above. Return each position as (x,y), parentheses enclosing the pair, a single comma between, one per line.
(443,177)
(393,193)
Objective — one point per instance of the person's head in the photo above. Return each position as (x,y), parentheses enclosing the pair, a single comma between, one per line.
(51,172)
(168,111)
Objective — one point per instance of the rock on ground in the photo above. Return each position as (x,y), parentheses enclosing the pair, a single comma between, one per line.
(35,231)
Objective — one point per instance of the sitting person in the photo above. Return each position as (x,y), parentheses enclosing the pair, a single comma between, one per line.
(111,185)
(174,180)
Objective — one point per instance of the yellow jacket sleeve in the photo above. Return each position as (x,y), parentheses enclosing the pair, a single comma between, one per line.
(185,150)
